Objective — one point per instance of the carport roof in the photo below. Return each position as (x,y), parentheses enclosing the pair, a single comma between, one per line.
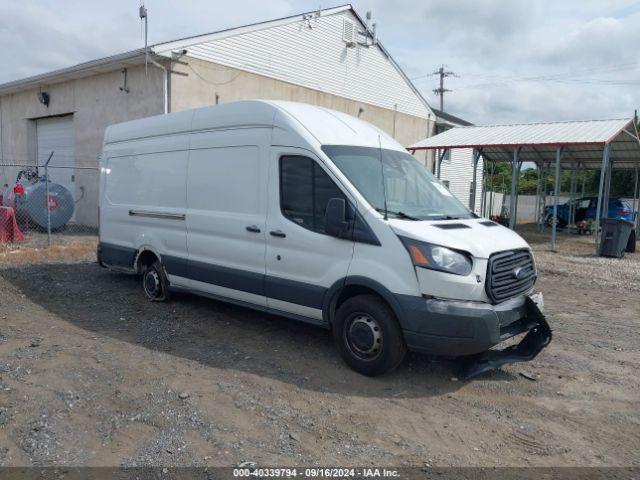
(582,141)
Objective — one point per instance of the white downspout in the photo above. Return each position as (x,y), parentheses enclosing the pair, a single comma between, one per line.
(165,84)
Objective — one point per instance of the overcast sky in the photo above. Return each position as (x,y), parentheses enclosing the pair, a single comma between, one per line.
(516,60)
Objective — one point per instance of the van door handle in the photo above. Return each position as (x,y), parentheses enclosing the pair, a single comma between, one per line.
(253,229)
(277,233)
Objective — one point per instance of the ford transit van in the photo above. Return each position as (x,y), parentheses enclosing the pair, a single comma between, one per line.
(318,216)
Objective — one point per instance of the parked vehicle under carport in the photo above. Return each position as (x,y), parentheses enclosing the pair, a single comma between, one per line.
(585,209)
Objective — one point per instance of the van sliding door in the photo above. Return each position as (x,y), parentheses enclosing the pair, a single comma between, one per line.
(226,199)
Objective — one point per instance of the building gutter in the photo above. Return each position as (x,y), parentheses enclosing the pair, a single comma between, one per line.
(77,71)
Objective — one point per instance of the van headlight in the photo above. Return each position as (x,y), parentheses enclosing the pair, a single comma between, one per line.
(436,257)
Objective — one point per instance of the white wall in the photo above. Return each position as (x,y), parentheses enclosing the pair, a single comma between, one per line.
(458,171)
(312,54)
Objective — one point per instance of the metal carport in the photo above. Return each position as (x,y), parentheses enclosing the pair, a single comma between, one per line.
(590,144)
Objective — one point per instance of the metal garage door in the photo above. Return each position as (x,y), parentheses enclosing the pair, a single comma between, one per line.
(57,135)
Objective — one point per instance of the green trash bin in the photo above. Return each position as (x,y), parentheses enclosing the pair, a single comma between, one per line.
(614,237)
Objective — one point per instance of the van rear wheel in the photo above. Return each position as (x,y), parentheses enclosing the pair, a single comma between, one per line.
(367,335)
(155,283)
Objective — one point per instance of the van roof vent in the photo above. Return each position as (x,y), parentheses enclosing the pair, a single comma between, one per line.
(451,226)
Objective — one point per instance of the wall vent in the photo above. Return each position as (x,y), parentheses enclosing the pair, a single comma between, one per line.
(349,32)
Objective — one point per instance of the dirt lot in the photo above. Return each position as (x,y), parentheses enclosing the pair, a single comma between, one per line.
(93,374)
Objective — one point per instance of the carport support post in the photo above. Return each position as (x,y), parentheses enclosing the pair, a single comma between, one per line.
(514,189)
(491,189)
(603,172)
(541,167)
(574,188)
(607,188)
(483,192)
(635,202)
(543,209)
(472,197)
(556,191)
(515,213)
(440,158)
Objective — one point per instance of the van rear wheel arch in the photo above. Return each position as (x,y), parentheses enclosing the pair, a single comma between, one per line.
(145,258)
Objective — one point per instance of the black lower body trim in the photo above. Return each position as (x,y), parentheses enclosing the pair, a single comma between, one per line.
(295,292)
(300,293)
(232,278)
(116,255)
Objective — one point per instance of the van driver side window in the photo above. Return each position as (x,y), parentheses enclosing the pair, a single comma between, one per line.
(305,190)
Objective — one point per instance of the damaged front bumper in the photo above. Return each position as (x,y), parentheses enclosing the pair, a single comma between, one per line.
(537,338)
(470,329)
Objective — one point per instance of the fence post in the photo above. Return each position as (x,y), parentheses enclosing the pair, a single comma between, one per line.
(46,200)
(46,203)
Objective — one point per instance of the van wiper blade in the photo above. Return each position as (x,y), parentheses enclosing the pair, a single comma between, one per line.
(398,214)
(457,217)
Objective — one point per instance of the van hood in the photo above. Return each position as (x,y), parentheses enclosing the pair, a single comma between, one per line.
(469,235)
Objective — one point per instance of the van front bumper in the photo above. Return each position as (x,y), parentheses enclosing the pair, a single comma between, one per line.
(460,328)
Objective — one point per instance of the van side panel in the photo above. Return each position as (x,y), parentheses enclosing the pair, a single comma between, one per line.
(226,215)
(143,203)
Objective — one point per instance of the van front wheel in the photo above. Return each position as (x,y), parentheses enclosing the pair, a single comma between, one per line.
(367,335)
(155,283)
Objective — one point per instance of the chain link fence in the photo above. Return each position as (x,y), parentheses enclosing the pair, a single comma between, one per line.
(46,205)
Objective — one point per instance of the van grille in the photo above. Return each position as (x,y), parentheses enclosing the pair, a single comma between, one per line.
(502,281)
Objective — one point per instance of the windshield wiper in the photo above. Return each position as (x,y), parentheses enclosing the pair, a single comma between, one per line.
(452,217)
(398,214)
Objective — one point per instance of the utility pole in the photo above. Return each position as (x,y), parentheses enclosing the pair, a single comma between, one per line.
(442,73)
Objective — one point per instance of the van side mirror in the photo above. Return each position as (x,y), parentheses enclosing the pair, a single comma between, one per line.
(335,221)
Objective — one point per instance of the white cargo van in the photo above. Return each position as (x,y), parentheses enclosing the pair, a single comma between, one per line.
(315,215)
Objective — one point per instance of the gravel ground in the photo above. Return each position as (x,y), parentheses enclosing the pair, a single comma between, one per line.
(93,374)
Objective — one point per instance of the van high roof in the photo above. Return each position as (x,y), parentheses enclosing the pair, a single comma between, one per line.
(325,126)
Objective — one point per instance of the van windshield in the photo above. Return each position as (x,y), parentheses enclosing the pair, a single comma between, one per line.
(412,191)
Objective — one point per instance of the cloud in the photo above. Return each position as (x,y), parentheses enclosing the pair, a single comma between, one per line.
(520,61)
(598,41)
(517,61)
(44,35)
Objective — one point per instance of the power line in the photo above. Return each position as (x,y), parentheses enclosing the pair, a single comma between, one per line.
(567,81)
(574,77)
(572,73)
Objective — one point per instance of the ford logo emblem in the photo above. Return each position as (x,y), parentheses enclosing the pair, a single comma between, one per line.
(519,273)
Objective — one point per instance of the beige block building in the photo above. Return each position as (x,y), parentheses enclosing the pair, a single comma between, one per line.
(328,58)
